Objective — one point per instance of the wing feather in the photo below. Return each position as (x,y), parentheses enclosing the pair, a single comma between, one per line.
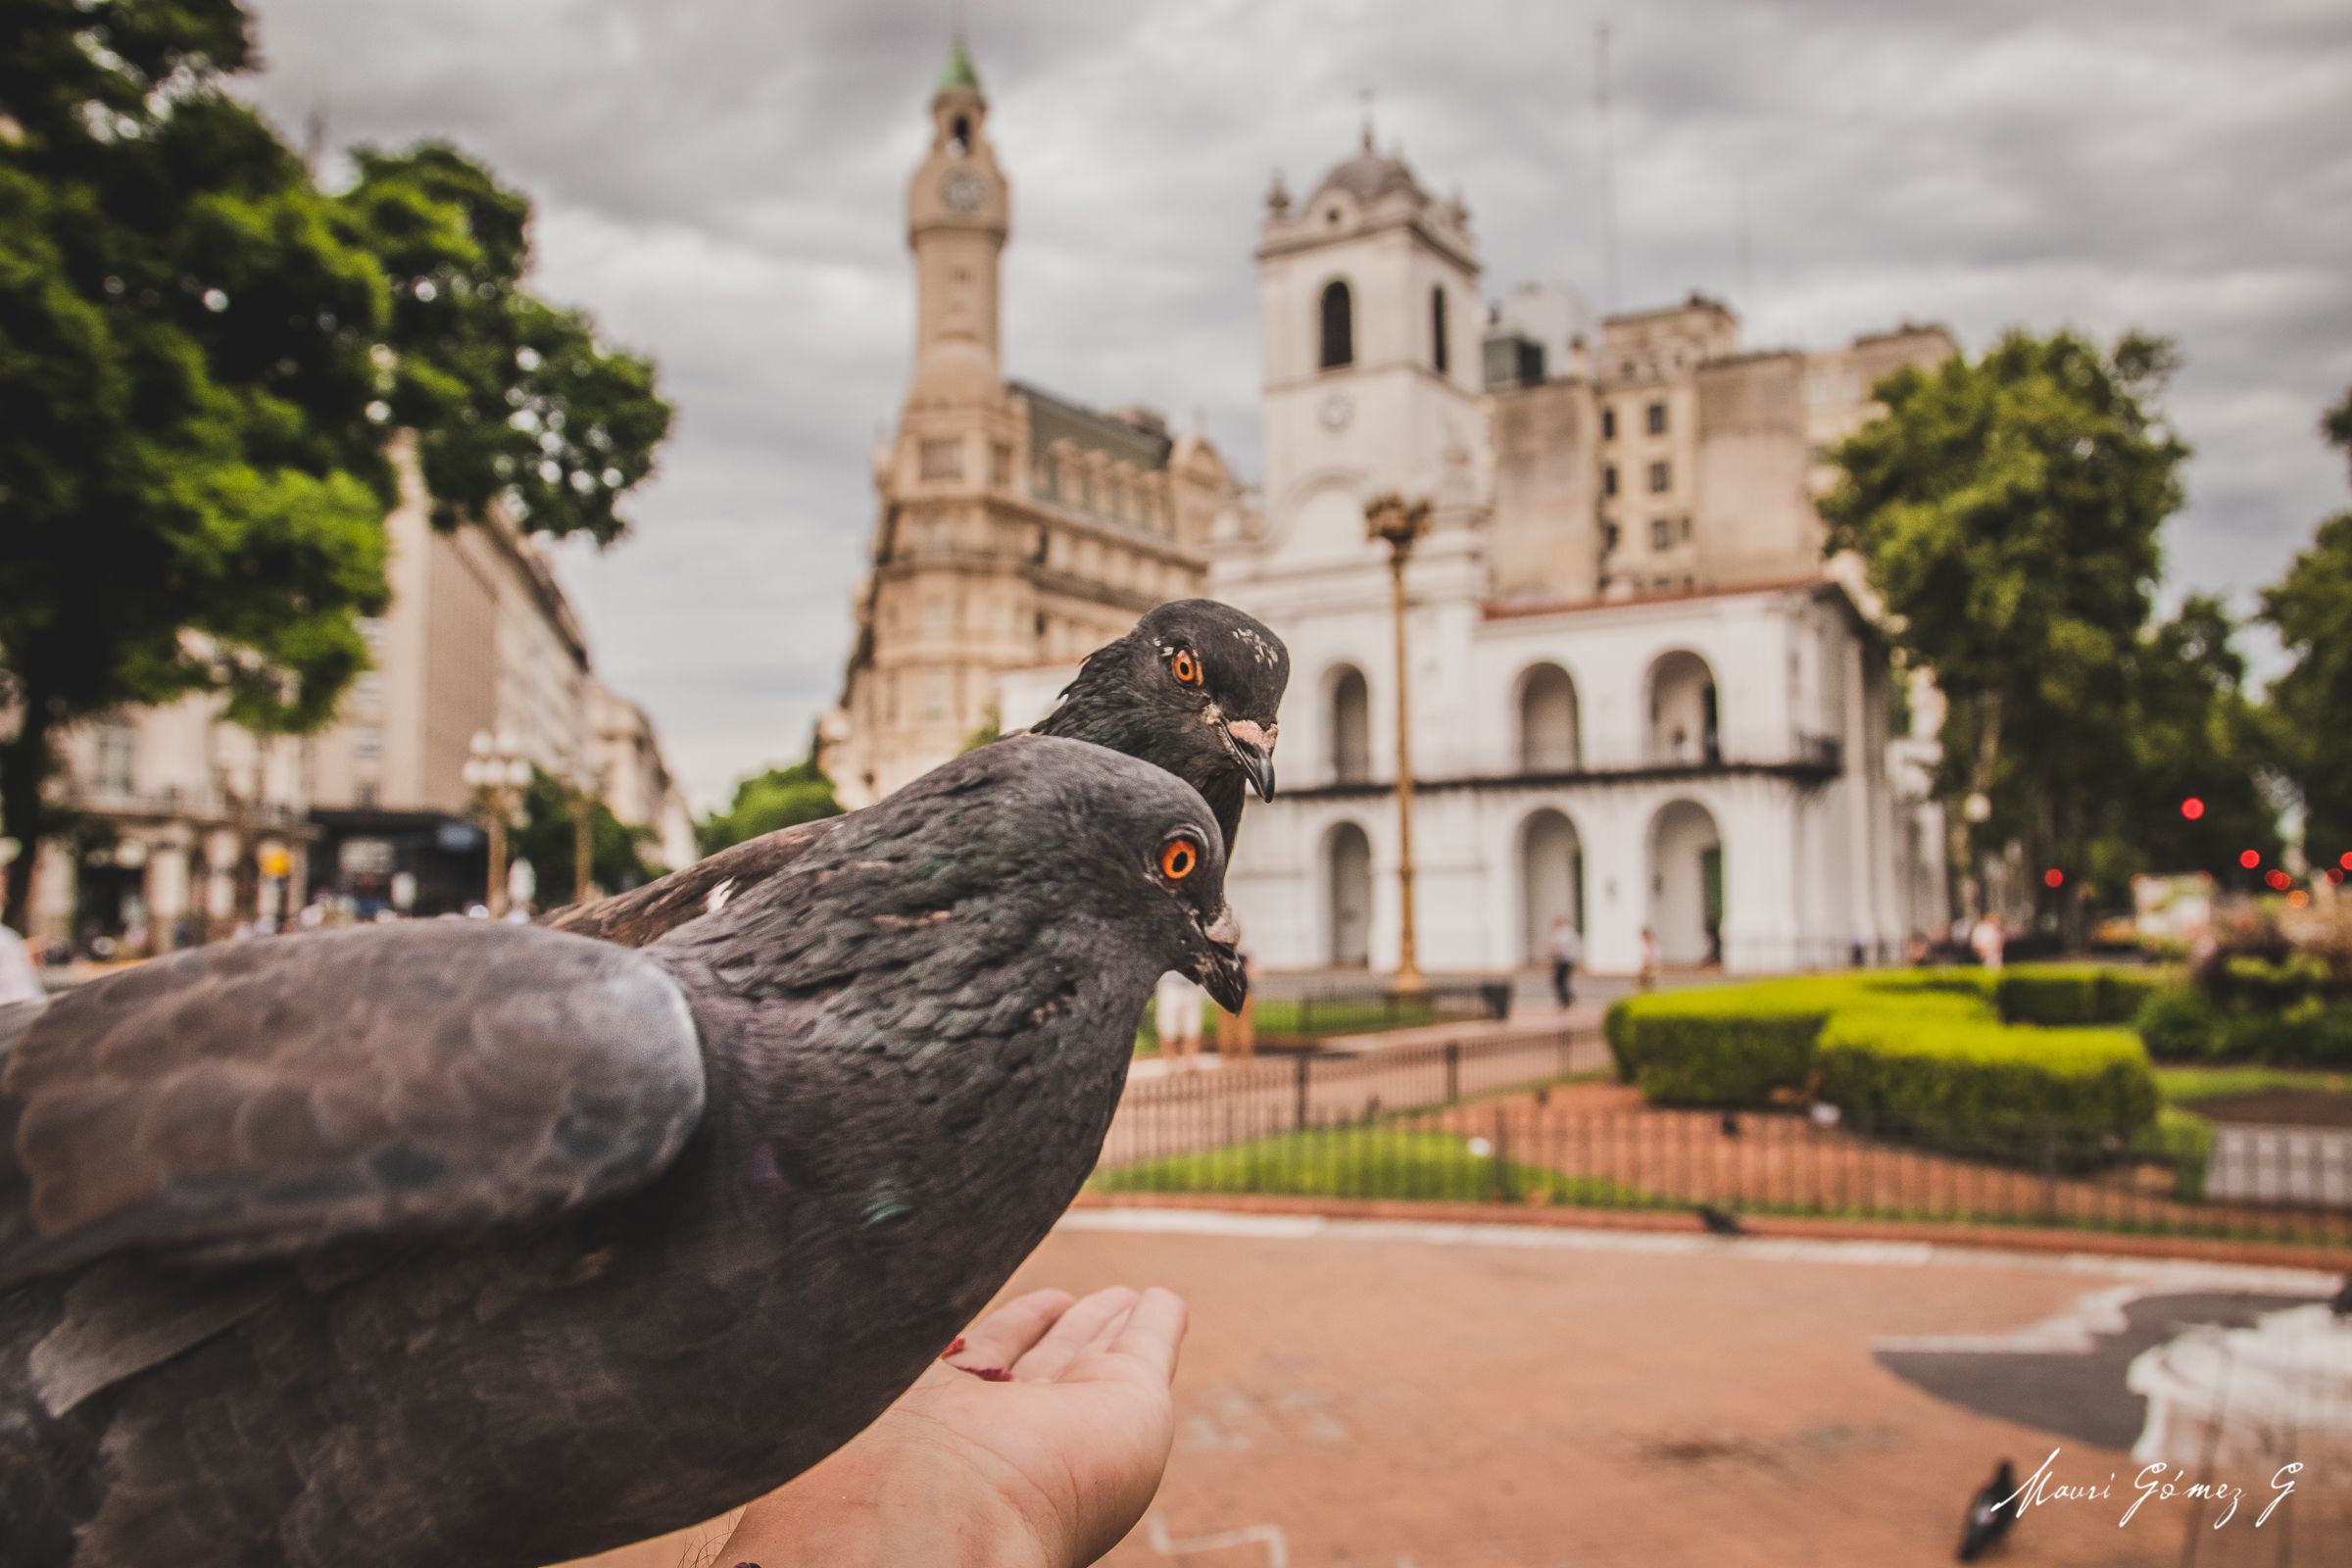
(643,914)
(261,1098)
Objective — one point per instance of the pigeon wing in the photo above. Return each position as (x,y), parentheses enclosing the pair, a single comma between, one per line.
(642,915)
(261,1098)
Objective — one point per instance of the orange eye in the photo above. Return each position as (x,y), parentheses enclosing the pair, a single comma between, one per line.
(1178,859)
(1185,668)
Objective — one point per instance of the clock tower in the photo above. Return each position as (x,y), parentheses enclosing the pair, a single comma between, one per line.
(958,213)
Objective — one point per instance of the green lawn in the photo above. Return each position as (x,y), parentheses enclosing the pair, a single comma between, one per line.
(1360,1163)
(2183,1085)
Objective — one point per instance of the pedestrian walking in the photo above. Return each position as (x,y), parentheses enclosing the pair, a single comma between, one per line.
(1989,940)
(1647,979)
(1567,949)
(1176,1016)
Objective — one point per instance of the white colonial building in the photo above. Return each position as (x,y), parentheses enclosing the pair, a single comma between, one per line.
(1638,695)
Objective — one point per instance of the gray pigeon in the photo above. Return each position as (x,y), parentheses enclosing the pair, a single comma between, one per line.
(1193,689)
(492,1245)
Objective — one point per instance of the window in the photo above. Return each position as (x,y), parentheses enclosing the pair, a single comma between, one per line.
(118,755)
(935,696)
(1437,329)
(1608,480)
(1661,532)
(1657,419)
(1610,534)
(935,614)
(1338,326)
(1048,478)
(942,460)
(1608,425)
(1685,525)
(959,135)
(999,463)
(1661,477)
(366,743)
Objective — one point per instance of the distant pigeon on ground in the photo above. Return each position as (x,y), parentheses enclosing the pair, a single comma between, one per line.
(445,1243)
(1730,1124)
(1720,1222)
(1193,689)
(1988,1520)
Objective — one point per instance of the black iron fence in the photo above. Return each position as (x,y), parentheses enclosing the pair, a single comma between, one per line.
(1484,1119)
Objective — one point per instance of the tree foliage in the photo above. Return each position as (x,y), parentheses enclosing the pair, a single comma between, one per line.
(512,400)
(781,797)
(548,839)
(2008,510)
(2311,609)
(201,354)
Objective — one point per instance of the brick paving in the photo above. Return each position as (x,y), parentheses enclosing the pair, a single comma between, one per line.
(1487,1398)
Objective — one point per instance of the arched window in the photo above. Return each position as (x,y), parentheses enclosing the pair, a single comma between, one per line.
(1350,728)
(1548,729)
(1437,328)
(1338,326)
(959,135)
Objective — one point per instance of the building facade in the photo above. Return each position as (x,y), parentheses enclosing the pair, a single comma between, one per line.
(1014,527)
(1638,698)
(192,823)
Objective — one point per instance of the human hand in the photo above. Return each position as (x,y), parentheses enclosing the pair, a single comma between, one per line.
(1046,1463)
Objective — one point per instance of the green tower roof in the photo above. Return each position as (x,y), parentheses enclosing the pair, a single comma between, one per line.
(959,72)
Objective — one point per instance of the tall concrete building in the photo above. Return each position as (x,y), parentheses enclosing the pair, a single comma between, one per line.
(1014,527)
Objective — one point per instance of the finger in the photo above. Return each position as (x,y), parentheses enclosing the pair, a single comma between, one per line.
(1155,1331)
(1007,1334)
(1076,1330)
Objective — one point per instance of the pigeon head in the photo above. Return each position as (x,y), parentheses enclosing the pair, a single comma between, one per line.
(1195,688)
(1032,847)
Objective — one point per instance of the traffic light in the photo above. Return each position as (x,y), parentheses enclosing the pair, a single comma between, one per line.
(2053,878)
(2279,881)
(2250,859)
(2192,807)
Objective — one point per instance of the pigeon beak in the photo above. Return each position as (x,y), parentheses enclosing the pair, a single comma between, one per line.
(1254,748)
(1216,965)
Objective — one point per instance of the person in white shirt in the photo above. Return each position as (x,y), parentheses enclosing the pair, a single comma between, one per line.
(1988,938)
(1567,949)
(19,981)
(1177,1016)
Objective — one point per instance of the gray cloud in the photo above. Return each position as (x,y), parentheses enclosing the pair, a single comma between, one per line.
(722,181)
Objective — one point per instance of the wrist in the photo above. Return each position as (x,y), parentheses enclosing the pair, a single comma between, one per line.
(884,1501)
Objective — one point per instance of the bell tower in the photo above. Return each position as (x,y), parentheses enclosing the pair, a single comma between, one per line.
(958,214)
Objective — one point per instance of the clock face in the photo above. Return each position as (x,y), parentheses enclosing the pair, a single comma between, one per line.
(1336,411)
(960,189)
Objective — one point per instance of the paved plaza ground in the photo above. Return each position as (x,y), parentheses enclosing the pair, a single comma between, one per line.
(1441,1396)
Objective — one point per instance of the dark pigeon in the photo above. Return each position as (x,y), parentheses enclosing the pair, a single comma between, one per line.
(448,1242)
(1719,1222)
(1990,1515)
(1193,689)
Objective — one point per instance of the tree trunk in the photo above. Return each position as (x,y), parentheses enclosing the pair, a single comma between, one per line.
(23,765)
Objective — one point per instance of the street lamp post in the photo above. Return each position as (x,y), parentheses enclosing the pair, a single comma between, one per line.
(497,768)
(1400,524)
(583,839)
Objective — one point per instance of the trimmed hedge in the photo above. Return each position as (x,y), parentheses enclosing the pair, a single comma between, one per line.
(2076,994)
(2190,1026)
(1736,1045)
(1961,1081)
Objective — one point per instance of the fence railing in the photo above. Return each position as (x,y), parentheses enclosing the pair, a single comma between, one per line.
(1475,1121)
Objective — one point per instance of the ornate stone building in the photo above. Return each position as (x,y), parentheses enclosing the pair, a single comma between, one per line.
(1016,527)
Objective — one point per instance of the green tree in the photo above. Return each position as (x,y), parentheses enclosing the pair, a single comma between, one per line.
(2311,609)
(2008,510)
(549,839)
(514,401)
(781,797)
(200,357)
(2195,733)
(191,492)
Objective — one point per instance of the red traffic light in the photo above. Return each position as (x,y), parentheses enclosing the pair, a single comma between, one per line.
(2250,859)
(2053,878)
(2278,880)
(2192,807)
(2345,859)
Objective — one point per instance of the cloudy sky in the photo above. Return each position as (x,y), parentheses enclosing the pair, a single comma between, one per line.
(720,182)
